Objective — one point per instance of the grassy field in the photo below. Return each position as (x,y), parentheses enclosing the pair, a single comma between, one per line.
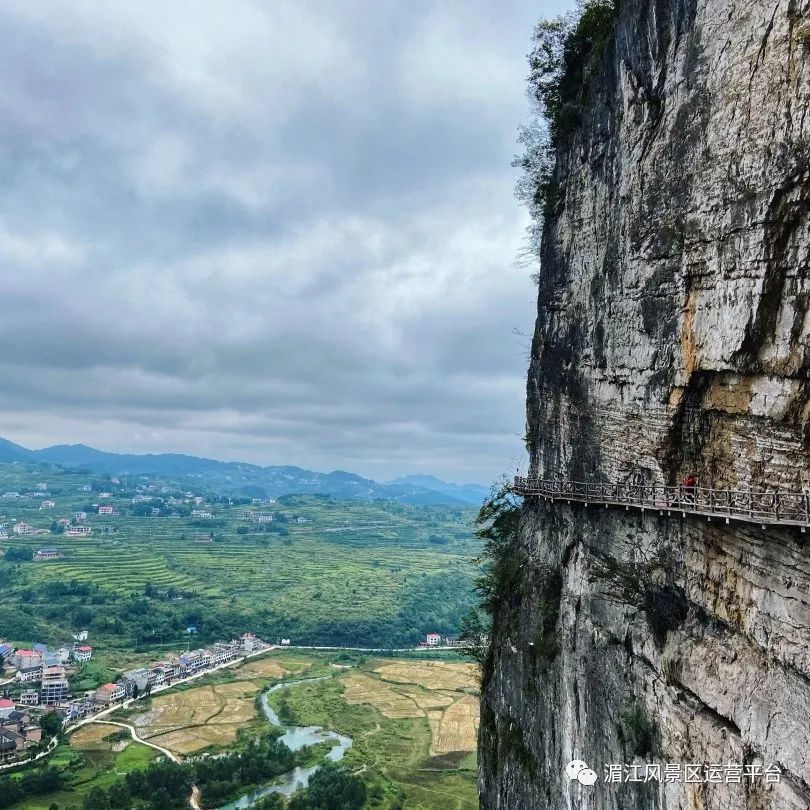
(377,573)
(415,743)
(94,757)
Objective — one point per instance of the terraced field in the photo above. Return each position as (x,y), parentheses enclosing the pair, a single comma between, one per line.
(118,567)
(310,570)
(376,580)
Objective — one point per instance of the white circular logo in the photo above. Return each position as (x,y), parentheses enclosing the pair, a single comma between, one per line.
(587,777)
(574,768)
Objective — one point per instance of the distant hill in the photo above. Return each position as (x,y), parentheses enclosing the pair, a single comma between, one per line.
(80,455)
(470,493)
(13,452)
(249,479)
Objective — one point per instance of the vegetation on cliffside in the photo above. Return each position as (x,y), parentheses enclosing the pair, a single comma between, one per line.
(505,580)
(497,526)
(564,58)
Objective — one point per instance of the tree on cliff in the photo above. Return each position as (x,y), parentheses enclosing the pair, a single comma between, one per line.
(497,525)
(474,633)
(564,57)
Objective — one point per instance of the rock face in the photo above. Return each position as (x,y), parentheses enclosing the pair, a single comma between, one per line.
(672,337)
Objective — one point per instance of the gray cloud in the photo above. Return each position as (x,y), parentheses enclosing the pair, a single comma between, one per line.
(281,233)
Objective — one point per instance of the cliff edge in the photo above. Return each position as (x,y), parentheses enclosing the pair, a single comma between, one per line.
(672,337)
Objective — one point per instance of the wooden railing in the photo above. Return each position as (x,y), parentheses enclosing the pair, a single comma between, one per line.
(766,508)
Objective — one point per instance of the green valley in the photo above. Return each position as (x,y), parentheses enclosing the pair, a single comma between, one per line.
(175,559)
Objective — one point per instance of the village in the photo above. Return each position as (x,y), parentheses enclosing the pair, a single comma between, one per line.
(148,501)
(36,684)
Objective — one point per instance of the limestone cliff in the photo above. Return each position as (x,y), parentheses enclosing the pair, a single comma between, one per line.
(672,336)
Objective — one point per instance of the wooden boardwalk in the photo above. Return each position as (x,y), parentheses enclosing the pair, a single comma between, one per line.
(764,508)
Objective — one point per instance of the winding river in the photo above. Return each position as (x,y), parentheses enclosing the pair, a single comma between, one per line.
(295,738)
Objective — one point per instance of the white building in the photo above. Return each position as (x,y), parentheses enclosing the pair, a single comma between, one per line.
(30,674)
(54,686)
(110,692)
(63,655)
(23,528)
(225,652)
(248,642)
(433,639)
(82,653)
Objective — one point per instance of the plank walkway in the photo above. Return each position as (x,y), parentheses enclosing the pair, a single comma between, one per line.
(764,508)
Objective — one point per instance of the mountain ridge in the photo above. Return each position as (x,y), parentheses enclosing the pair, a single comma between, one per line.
(250,479)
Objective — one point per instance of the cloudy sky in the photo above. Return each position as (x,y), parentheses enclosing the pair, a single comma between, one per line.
(278,232)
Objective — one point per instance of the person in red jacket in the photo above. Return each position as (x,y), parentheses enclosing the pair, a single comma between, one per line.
(689,488)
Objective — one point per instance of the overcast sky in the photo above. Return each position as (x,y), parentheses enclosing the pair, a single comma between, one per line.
(275,232)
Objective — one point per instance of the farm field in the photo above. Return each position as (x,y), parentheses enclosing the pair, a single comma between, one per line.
(420,758)
(189,720)
(415,739)
(210,714)
(355,573)
(349,573)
